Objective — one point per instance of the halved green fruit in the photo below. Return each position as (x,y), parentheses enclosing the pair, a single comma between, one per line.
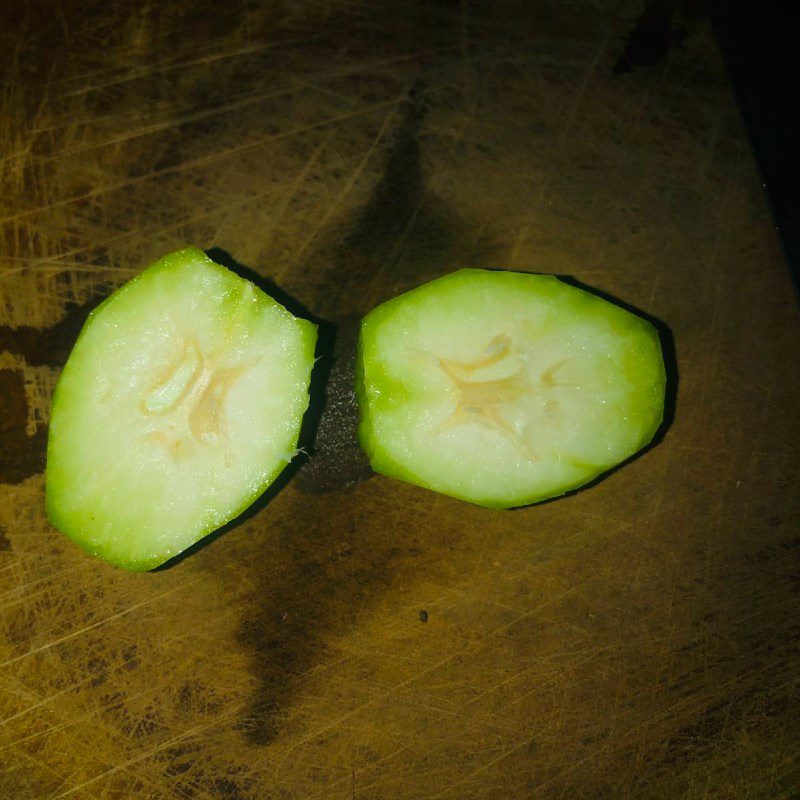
(503,388)
(180,403)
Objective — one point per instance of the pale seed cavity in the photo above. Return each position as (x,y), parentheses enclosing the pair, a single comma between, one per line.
(190,398)
(481,401)
(206,420)
(168,392)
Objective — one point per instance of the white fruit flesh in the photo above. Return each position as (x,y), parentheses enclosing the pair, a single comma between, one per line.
(505,389)
(180,403)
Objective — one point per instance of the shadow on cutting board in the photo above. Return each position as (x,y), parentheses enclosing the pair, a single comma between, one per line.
(21,454)
(331,567)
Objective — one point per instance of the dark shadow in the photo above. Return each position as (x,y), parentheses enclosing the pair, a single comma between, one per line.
(326,337)
(318,583)
(397,196)
(760,53)
(338,461)
(402,232)
(656,30)
(51,346)
(21,455)
(369,247)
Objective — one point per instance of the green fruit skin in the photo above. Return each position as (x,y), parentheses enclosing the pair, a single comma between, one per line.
(57,480)
(645,363)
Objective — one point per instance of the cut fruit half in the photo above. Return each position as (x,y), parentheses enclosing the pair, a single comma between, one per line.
(180,403)
(504,388)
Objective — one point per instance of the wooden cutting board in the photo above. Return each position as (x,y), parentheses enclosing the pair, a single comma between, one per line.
(356,637)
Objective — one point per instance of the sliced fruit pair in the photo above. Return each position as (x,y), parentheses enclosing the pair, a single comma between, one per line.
(184,395)
(180,403)
(503,388)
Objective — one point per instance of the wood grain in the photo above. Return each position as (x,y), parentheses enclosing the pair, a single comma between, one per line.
(635,640)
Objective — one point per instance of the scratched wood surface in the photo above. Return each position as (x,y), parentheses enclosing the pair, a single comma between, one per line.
(636,640)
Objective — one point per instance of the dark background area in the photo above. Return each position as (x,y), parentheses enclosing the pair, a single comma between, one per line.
(761,54)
